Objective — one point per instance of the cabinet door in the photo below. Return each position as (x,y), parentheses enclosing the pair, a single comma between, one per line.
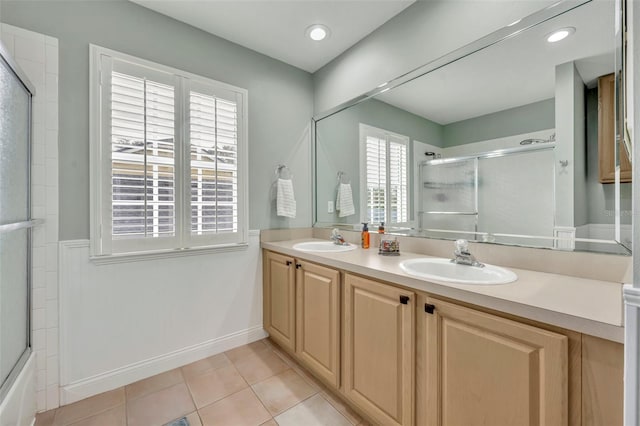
(318,320)
(279,299)
(607,134)
(378,350)
(485,370)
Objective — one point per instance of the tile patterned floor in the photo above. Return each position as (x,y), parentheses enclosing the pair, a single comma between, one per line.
(255,384)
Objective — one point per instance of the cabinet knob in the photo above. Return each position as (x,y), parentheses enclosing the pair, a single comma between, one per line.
(428,308)
(298,266)
(289,263)
(404,300)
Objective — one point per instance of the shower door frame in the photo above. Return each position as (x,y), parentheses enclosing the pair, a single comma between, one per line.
(502,152)
(28,224)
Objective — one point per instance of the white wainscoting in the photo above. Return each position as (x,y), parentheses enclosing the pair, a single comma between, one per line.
(122,322)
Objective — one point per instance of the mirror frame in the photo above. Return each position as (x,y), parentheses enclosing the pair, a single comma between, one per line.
(482,43)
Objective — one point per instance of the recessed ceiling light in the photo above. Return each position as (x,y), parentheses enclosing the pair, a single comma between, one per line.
(560,34)
(317,32)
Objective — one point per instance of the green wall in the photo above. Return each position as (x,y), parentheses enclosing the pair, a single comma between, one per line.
(337,147)
(280,96)
(524,119)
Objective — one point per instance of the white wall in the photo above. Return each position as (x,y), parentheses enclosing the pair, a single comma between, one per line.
(126,321)
(37,55)
(570,136)
(423,32)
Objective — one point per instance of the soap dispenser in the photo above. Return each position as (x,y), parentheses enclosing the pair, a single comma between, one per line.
(365,235)
(381,228)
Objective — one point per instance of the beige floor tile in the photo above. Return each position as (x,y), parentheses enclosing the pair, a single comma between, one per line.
(257,367)
(270,423)
(213,385)
(283,391)
(240,409)
(154,384)
(285,356)
(315,411)
(250,349)
(46,418)
(194,419)
(212,363)
(315,383)
(88,407)
(160,407)
(114,417)
(343,408)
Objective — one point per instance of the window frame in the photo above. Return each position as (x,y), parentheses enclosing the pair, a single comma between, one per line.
(102,243)
(366,130)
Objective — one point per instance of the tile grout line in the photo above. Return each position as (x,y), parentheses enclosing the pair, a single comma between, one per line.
(338,411)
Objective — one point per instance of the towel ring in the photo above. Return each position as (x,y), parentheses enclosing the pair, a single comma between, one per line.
(342,178)
(283,172)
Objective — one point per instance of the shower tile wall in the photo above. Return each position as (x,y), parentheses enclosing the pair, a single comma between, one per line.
(37,55)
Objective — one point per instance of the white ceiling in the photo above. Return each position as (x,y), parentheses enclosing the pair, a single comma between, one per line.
(277,28)
(514,72)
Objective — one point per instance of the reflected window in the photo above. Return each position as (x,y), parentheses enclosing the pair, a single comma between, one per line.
(385,187)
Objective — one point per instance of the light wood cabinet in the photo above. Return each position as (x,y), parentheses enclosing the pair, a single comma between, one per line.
(378,360)
(606,134)
(318,320)
(481,369)
(404,358)
(602,382)
(279,299)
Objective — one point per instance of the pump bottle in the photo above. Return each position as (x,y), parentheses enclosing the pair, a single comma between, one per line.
(365,235)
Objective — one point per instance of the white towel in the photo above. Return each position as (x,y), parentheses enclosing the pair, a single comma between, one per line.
(344,200)
(285,200)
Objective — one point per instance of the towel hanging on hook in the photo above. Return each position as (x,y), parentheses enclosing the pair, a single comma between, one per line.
(285,198)
(344,197)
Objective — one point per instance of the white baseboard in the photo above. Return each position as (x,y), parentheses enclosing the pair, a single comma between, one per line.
(123,376)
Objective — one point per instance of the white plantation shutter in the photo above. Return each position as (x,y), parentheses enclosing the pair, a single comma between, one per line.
(376,157)
(169,161)
(384,159)
(214,164)
(142,157)
(398,181)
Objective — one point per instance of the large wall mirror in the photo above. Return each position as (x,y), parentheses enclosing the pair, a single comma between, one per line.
(513,139)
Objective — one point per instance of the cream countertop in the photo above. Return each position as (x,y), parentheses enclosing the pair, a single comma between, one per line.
(585,305)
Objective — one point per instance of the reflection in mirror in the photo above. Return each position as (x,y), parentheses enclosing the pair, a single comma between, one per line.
(506,145)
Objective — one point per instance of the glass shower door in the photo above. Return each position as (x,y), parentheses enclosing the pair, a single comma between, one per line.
(15,220)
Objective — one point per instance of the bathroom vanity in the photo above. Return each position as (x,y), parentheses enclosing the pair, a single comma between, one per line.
(400,350)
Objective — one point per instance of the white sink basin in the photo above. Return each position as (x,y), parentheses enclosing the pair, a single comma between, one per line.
(444,270)
(322,246)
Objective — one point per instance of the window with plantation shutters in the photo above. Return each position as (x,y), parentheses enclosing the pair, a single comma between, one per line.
(142,157)
(168,158)
(384,190)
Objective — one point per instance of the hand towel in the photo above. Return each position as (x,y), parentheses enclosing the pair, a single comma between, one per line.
(285,199)
(344,200)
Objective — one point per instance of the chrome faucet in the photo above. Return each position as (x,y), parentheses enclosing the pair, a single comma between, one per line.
(463,256)
(337,238)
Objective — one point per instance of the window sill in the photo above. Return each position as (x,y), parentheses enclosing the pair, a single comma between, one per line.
(165,254)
